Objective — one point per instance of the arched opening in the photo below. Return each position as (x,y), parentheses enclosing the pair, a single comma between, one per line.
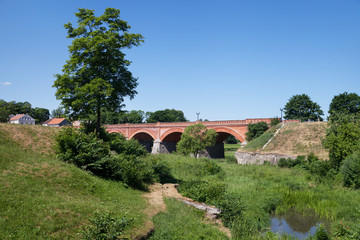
(218,150)
(144,139)
(170,141)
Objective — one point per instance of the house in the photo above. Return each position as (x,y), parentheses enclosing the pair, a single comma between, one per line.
(56,122)
(23,119)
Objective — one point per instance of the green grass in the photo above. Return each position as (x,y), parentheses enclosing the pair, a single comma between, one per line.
(258,143)
(43,198)
(183,222)
(268,189)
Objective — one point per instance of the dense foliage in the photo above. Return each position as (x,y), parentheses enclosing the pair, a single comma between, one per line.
(96,77)
(6,108)
(350,170)
(255,130)
(195,139)
(303,108)
(112,157)
(167,115)
(344,104)
(342,138)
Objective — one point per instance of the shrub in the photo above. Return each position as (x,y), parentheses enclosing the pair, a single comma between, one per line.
(255,130)
(342,138)
(321,234)
(274,121)
(289,162)
(232,208)
(203,191)
(120,145)
(81,149)
(350,170)
(105,227)
(162,171)
(134,171)
(92,154)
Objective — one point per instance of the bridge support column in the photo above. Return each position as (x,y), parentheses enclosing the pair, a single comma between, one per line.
(163,147)
(156,147)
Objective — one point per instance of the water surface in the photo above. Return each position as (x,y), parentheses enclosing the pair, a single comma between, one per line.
(296,224)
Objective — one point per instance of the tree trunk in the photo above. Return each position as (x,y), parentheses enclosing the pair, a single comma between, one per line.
(98,123)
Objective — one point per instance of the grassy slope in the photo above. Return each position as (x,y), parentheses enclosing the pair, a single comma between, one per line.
(293,139)
(265,189)
(43,198)
(182,222)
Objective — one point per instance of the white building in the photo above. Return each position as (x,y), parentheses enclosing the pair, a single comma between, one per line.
(23,119)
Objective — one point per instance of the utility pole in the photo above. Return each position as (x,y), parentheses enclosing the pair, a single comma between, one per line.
(281,109)
(197,115)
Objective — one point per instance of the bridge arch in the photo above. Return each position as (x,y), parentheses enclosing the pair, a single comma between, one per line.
(172,135)
(142,134)
(145,138)
(224,132)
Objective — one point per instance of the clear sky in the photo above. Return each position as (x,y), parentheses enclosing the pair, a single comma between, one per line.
(228,60)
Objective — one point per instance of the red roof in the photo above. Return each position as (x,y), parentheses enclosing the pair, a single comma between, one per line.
(55,121)
(17,117)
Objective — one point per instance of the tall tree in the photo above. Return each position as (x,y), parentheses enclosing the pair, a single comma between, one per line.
(40,114)
(96,76)
(255,130)
(195,139)
(167,115)
(303,108)
(58,112)
(344,103)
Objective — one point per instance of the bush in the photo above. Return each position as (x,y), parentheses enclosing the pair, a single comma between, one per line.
(342,138)
(274,122)
(81,149)
(232,208)
(255,130)
(105,227)
(321,234)
(203,191)
(289,162)
(162,171)
(134,171)
(120,145)
(92,154)
(318,168)
(350,170)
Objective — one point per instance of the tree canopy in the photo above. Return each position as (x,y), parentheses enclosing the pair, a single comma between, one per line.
(195,139)
(344,103)
(96,76)
(167,115)
(256,130)
(303,108)
(6,108)
(342,138)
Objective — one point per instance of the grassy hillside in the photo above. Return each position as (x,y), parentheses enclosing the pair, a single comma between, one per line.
(43,198)
(293,139)
(300,139)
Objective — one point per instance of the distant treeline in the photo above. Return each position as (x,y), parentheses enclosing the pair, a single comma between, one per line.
(6,108)
(138,116)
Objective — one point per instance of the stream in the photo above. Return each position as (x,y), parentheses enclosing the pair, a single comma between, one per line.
(296,224)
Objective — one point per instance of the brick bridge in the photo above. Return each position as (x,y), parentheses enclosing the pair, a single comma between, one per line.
(163,137)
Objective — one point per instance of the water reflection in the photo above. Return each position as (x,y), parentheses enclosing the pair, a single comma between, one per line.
(296,224)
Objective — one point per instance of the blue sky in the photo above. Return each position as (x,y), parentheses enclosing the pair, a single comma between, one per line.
(227,60)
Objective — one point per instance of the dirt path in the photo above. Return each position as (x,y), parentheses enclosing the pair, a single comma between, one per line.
(155,198)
